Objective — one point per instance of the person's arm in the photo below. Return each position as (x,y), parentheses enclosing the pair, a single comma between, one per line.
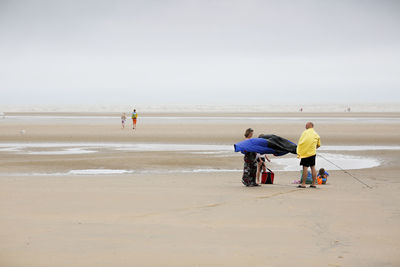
(267,158)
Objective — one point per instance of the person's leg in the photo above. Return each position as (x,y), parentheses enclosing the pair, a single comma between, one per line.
(253,173)
(305,174)
(258,172)
(314,174)
(245,177)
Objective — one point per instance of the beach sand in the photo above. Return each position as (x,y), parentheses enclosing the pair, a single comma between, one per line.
(188,218)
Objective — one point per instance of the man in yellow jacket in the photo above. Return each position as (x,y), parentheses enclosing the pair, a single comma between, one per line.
(307,150)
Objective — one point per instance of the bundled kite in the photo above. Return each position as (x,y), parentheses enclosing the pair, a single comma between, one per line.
(267,144)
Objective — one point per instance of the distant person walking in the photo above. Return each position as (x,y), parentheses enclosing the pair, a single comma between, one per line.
(307,150)
(123,120)
(134,118)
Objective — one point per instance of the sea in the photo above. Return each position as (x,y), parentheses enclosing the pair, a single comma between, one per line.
(183,108)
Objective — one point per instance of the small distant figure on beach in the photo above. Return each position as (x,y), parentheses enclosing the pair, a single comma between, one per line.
(250,164)
(307,150)
(348,109)
(301,109)
(123,120)
(322,176)
(134,118)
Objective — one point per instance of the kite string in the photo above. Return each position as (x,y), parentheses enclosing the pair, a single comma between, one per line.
(345,171)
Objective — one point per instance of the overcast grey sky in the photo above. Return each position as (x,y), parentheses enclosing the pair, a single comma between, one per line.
(200,52)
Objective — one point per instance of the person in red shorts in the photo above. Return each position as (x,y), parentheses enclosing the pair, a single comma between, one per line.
(134,118)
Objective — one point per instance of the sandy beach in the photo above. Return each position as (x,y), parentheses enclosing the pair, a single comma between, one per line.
(187,206)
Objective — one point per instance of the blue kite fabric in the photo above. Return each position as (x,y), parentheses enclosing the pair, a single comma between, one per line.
(258,145)
(268,144)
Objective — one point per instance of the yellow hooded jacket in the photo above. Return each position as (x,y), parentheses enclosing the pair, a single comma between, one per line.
(308,143)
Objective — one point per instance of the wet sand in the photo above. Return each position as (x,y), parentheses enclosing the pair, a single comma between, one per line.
(194,219)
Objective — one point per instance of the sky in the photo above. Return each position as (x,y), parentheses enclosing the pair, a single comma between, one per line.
(199,52)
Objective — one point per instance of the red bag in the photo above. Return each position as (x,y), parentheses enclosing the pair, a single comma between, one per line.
(267,177)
